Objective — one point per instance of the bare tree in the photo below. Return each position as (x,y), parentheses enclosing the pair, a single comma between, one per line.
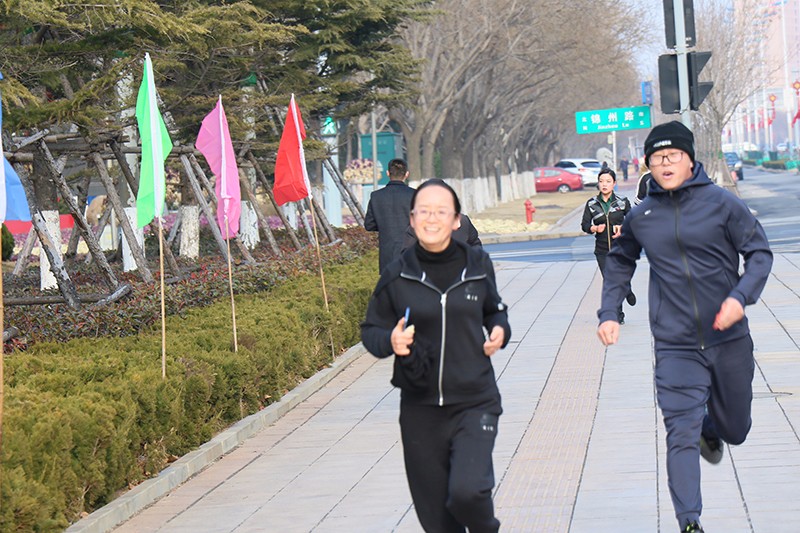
(733,37)
(501,78)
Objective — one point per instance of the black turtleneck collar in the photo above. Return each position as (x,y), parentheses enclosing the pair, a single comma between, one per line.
(443,268)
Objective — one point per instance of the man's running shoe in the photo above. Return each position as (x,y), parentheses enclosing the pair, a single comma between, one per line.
(631,299)
(711,449)
(694,527)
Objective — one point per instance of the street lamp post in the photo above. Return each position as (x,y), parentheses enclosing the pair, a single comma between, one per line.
(796,87)
(771,119)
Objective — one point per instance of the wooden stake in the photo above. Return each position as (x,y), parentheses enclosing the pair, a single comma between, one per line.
(2,356)
(322,279)
(230,284)
(163,313)
(268,189)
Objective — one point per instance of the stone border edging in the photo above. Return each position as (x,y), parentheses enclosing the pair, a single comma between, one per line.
(124,507)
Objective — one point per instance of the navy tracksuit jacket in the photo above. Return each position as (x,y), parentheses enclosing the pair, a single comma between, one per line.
(692,237)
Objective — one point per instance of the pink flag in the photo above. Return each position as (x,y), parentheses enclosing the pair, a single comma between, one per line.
(291,176)
(214,142)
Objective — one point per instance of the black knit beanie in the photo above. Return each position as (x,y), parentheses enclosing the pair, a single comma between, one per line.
(670,135)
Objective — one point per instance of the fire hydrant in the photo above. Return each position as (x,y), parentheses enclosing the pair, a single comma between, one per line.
(529,211)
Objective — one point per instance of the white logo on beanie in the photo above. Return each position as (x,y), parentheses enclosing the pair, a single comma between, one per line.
(659,144)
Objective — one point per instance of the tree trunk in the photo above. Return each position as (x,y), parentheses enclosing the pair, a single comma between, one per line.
(452,156)
(414,155)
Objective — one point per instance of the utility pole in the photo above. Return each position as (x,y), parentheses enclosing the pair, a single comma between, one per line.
(683,65)
(681,90)
(374,151)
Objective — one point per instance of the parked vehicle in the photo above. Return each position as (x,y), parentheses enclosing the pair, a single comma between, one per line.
(552,179)
(735,163)
(587,168)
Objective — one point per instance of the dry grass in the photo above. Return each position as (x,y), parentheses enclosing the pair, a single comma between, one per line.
(550,207)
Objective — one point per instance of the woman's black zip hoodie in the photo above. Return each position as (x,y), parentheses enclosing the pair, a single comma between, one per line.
(447,365)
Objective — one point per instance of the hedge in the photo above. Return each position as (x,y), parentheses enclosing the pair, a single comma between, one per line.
(779,164)
(88,418)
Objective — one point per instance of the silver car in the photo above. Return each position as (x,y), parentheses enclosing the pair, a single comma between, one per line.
(587,168)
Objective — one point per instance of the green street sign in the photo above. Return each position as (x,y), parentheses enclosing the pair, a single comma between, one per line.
(621,118)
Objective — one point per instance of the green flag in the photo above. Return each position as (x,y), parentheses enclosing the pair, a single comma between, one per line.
(156,145)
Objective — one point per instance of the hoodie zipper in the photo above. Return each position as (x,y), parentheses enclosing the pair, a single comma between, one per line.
(441,352)
(443,302)
(685,260)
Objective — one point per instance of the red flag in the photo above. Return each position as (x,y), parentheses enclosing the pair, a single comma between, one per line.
(291,176)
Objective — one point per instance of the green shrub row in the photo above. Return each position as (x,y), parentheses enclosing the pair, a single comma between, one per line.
(88,418)
(779,164)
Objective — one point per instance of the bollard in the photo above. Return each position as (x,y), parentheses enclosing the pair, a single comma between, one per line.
(529,211)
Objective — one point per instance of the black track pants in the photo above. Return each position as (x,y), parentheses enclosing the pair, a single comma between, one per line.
(448,457)
(718,379)
(601,263)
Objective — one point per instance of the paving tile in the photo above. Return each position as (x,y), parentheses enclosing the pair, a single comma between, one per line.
(581,443)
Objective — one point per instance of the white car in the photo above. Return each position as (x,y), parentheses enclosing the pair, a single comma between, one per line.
(587,168)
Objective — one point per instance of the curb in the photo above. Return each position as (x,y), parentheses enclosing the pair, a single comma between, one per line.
(496,238)
(145,494)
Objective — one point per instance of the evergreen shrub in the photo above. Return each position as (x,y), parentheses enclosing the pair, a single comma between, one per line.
(8,243)
(87,417)
(779,164)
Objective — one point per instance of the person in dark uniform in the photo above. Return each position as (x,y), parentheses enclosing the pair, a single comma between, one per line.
(437,310)
(602,217)
(466,232)
(694,234)
(387,213)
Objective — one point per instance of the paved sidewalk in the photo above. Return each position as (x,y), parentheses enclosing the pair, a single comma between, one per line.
(580,446)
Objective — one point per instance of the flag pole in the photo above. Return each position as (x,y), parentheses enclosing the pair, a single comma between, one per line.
(2,348)
(230,283)
(321,272)
(163,313)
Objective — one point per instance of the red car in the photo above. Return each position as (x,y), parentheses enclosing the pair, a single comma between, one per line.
(551,179)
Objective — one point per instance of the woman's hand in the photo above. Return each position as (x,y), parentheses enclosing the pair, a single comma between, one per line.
(616,231)
(600,228)
(495,342)
(402,338)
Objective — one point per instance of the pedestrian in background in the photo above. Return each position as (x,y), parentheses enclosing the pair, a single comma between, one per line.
(602,217)
(437,310)
(693,233)
(623,166)
(387,212)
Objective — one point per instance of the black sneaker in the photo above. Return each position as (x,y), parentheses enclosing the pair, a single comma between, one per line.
(621,318)
(711,449)
(631,299)
(693,527)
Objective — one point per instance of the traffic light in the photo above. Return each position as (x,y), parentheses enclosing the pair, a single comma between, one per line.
(698,90)
(668,84)
(688,22)
(668,81)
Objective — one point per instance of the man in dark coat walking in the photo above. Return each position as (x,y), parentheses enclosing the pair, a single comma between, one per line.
(388,212)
